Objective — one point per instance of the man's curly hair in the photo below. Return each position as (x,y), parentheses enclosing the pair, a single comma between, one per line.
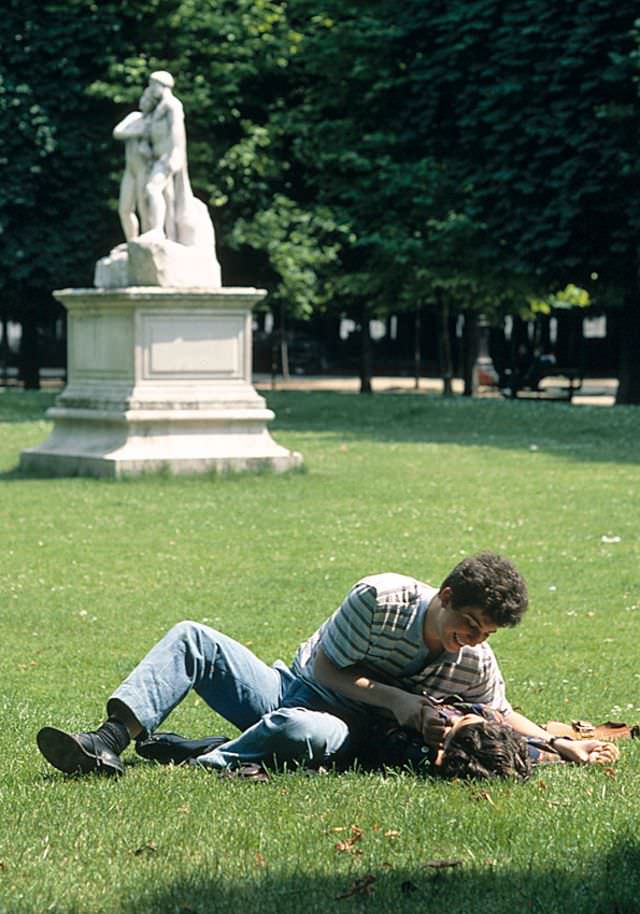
(491,583)
(486,750)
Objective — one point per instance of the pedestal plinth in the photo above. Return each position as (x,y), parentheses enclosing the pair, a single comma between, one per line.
(158,378)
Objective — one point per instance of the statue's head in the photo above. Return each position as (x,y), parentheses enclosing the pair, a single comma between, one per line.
(162,78)
(147,101)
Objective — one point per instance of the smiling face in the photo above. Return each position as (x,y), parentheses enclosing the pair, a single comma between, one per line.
(448,629)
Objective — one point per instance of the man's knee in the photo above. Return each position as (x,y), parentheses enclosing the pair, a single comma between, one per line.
(184,629)
(312,733)
(190,633)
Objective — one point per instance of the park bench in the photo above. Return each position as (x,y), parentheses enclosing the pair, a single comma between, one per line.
(543,380)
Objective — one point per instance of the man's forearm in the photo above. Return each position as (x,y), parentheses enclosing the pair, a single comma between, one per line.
(354,683)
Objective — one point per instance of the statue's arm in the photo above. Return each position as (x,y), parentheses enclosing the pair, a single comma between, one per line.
(130,127)
(174,115)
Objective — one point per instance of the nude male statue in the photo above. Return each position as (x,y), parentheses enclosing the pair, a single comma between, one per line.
(174,212)
(133,130)
(169,142)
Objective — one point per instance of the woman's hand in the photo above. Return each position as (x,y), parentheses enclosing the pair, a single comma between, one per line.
(587,751)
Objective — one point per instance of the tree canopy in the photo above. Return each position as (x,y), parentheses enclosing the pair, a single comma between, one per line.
(362,156)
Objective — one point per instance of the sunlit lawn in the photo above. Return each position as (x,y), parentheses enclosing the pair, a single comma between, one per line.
(93,572)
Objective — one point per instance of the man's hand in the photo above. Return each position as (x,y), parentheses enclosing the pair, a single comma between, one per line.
(587,751)
(434,727)
(416,712)
(408,709)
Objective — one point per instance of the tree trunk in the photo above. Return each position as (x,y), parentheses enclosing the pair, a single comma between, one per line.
(284,343)
(444,347)
(4,351)
(417,349)
(274,362)
(284,356)
(366,354)
(470,351)
(29,355)
(629,374)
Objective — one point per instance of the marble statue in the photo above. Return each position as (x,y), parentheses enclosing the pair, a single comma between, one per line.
(159,369)
(170,239)
(133,130)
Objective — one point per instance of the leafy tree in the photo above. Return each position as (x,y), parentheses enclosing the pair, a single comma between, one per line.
(57,200)
(543,128)
(231,62)
(459,155)
(50,132)
(294,241)
(364,131)
(71,68)
(470,147)
(355,153)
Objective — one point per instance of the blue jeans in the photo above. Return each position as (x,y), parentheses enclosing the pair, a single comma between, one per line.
(281,716)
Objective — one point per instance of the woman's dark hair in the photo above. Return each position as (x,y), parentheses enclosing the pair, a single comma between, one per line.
(486,750)
(492,584)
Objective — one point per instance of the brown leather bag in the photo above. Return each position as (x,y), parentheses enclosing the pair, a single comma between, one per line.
(584,729)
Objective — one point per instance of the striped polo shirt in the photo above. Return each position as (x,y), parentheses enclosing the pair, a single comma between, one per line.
(379,627)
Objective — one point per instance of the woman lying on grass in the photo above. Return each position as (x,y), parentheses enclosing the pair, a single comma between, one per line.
(479,743)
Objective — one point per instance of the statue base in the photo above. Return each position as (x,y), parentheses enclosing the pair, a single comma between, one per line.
(155,261)
(159,379)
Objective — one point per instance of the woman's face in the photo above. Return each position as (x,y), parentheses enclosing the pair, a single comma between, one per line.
(455,727)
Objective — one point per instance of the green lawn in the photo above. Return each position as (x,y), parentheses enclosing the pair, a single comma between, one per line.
(92,572)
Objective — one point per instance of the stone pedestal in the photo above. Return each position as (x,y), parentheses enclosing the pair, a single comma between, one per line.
(484,373)
(158,379)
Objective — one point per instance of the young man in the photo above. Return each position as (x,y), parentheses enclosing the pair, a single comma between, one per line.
(390,643)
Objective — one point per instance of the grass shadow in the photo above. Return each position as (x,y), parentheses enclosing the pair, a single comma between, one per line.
(609,885)
(25,405)
(581,433)
(591,434)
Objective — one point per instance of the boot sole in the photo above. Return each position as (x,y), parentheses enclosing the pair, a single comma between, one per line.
(64,752)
